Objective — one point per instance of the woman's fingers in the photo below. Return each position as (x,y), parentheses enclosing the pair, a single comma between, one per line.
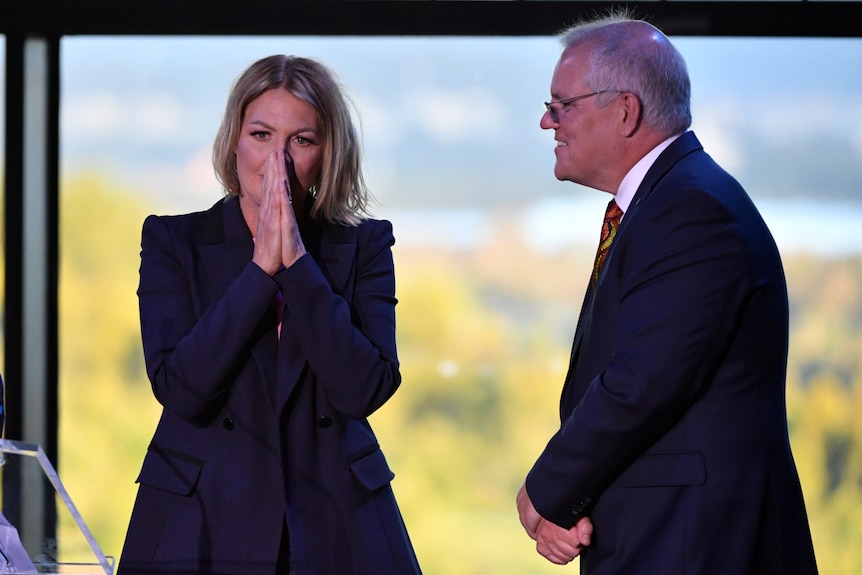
(291,240)
(267,249)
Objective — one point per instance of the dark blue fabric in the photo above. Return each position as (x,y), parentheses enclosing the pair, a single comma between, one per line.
(254,428)
(673,433)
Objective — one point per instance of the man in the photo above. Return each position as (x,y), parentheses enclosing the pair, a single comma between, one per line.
(673,455)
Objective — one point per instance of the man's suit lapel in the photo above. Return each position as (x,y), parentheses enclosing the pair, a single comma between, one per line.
(583,320)
(682,146)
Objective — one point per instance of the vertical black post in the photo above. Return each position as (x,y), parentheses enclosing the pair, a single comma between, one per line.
(31,276)
(14,240)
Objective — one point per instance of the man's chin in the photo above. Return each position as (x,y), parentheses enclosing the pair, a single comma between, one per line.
(562,175)
(559,173)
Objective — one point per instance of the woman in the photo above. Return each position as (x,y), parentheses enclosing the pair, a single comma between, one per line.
(268,325)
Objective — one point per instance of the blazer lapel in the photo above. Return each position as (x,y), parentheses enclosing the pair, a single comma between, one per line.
(679,148)
(336,257)
(228,247)
(682,146)
(583,321)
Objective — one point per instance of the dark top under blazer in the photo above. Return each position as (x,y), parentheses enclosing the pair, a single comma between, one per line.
(674,436)
(257,431)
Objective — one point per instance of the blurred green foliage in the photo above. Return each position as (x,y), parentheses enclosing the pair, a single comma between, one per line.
(484,339)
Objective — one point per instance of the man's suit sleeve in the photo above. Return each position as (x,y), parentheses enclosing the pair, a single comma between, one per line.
(665,313)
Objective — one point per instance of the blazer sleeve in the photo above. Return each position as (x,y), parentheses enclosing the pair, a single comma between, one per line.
(678,280)
(195,339)
(349,342)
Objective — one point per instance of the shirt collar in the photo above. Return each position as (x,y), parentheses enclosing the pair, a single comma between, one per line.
(632,181)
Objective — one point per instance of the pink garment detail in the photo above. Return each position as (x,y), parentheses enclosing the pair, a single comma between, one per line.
(279,310)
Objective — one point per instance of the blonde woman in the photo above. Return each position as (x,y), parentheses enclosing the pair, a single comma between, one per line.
(268,326)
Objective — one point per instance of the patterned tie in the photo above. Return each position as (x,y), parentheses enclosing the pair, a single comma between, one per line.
(609,232)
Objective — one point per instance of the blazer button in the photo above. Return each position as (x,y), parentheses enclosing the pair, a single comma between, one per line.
(324,421)
(228,423)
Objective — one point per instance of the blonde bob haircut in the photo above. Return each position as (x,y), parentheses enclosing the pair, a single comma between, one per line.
(340,194)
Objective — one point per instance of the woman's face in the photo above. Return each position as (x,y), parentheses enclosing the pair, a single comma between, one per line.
(278,119)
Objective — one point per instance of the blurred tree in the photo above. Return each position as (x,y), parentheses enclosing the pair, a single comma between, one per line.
(107,412)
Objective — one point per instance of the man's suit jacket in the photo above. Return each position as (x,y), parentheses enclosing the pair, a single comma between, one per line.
(258,431)
(674,435)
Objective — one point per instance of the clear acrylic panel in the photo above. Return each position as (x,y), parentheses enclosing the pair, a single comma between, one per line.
(41,530)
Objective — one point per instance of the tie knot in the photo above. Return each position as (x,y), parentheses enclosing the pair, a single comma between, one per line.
(613,212)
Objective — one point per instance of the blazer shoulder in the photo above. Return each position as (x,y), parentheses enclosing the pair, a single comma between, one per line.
(200,224)
(377,230)
(367,232)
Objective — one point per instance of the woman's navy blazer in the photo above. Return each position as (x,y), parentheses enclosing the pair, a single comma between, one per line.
(258,432)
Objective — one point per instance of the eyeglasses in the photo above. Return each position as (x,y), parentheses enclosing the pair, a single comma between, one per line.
(554,113)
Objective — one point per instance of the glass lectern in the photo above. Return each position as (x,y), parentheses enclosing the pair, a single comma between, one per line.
(41,530)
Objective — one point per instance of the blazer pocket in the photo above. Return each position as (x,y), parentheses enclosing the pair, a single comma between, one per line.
(672,469)
(364,457)
(170,471)
(372,470)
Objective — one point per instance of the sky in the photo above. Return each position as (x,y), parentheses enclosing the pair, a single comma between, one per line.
(450,126)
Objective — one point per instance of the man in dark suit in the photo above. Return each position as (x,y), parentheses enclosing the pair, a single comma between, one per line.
(673,455)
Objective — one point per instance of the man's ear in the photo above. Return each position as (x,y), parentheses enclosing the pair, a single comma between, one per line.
(632,113)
